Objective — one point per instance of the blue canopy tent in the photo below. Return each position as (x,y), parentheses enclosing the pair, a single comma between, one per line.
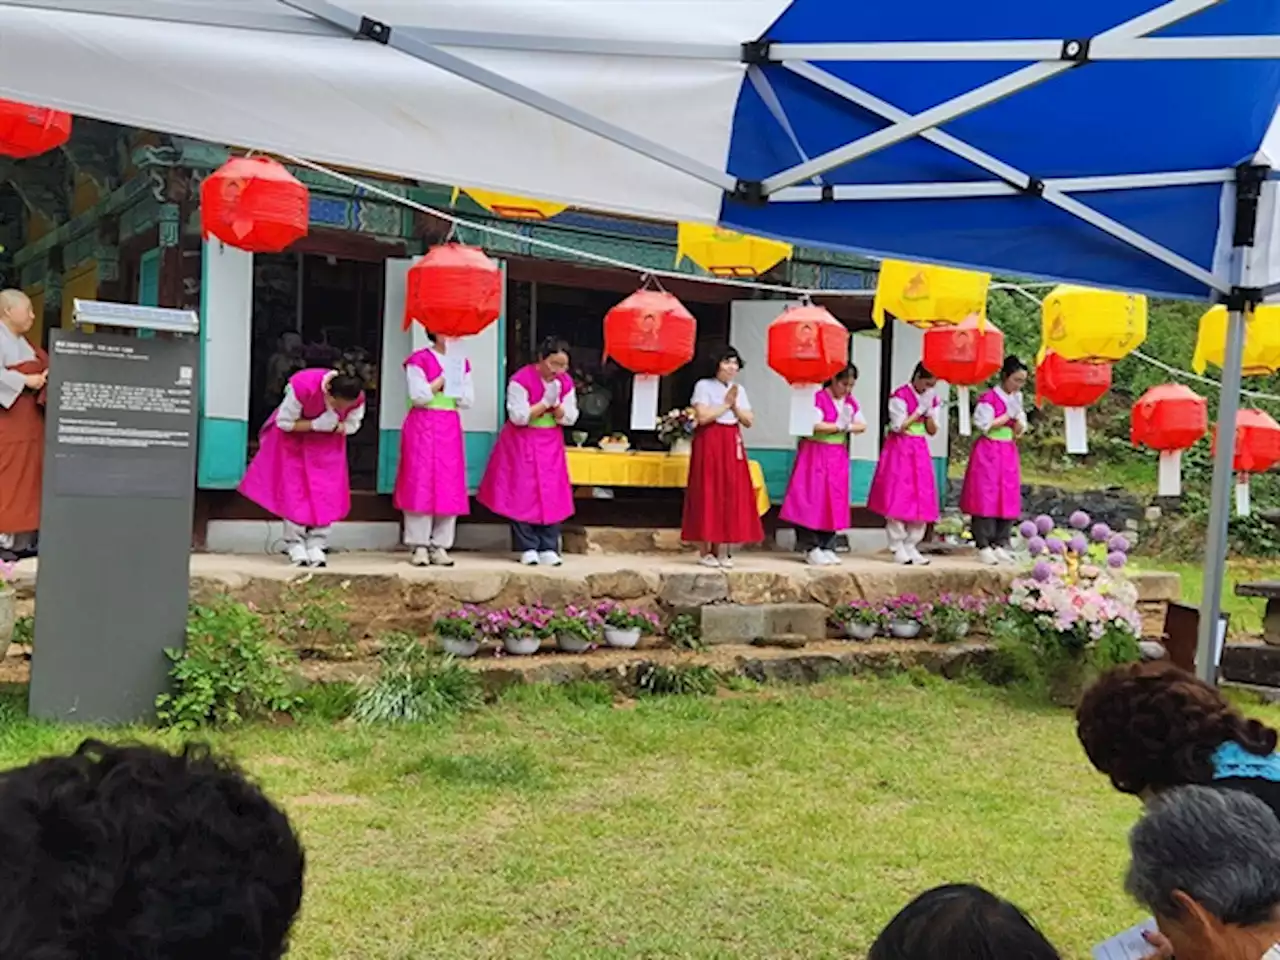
(1116,143)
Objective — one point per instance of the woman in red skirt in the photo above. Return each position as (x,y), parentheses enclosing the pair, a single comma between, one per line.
(719,502)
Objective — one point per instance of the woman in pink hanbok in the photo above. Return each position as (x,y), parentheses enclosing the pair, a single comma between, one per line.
(817,498)
(431,481)
(992,492)
(527,478)
(300,470)
(904,489)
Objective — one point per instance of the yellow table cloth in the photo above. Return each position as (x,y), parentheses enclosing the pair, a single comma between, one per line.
(645,468)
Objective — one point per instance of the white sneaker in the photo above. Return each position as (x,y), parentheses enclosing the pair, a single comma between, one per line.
(988,557)
(529,558)
(918,558)
(421,557)
(316,556)
(1004,556)
(833,558)
(726,562)
(439,557)
(549,558)
(298,555)
(709,560)
(816,558)
(900,555)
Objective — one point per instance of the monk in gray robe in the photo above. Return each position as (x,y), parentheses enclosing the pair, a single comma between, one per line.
(24,369)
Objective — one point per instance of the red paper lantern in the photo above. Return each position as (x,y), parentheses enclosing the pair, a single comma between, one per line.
(454,291)
(1071,383)
(1257,442)
(254,204)
(807,345)
(963,355)
(650,333)
(1169,417)
(27,131)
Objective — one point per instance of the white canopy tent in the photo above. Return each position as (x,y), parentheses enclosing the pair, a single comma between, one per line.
(1118,143)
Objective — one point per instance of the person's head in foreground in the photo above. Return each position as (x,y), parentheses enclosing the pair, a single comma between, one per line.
(132,853)
(1206,863)
(961,922)
(1151,726)
(16,312)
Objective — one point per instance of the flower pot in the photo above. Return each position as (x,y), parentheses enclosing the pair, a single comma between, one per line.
(459,648)
(521,646)
(860,631)
(568,643)
(681,448)
(8,617)
(623,639)
(904,629)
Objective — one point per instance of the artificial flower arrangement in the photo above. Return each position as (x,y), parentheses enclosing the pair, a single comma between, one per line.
(677,425)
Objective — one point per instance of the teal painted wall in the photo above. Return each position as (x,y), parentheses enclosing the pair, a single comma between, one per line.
(940,474)
(149,279)
(223,445)
(860,474)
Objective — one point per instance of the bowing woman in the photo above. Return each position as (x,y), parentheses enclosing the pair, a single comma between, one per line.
(527,478)
(719,502)
(992,492)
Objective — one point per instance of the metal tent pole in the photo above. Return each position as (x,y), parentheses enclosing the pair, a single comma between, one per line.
(1250,179)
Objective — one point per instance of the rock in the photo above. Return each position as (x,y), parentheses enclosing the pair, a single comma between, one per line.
(1255,664)
(558,592)
(1152,650)
(1154,514)
(731,623)
(693,589)
(1131,526)
(622,585)
(832,589)
(751,587)
(1156,586)
(785,641)
(459,587)
(808,620)
(668,541)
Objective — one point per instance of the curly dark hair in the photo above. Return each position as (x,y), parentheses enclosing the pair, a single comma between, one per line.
(1151,726)
(133,853)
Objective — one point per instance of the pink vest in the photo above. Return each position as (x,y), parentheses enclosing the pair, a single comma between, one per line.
(425,360)
(308,387)
(529,378)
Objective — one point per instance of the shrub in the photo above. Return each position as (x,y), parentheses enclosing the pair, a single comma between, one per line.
(685,633)
(416,685)
(681,679)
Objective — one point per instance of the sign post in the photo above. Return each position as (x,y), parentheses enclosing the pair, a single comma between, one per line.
(115,533)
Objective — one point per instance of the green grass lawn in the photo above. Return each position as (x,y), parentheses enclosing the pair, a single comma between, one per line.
(787,822)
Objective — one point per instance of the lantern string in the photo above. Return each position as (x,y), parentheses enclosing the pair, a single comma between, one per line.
(569,251)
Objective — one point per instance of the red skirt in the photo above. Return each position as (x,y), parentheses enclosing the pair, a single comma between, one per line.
(719,502)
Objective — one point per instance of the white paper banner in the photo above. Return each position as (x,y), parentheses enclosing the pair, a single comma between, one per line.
(1242,496)
(804,415)
(962,411)
(1170,484)
(455,366)
(1077,430)
(644,402)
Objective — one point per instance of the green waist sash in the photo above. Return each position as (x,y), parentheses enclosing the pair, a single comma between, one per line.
(441,402)
(916,430)
(546,420)
(1003,434)
(835,439)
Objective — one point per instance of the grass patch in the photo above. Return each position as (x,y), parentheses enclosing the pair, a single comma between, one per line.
(1246,612)
(790,822)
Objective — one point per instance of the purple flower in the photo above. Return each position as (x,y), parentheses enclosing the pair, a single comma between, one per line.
(1041,571)
(1118,544)
(1116,560)
(1100,532)
(1044,524)
(1036,546)
(1080,520)
(1079,544)
(1056,546)
(1028,530)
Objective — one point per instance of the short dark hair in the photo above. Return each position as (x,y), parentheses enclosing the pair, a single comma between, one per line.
(717,355)
(1011,366)
(922,372)
(848,373)
(550,346)
(961,922)
(131,852)
(1153,726)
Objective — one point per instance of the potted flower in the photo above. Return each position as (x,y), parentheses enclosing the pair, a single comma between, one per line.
(859,620)
(953,617)
(623,626)
(906,616)
(526,628)
(458,631)
(576,630)
(675,429)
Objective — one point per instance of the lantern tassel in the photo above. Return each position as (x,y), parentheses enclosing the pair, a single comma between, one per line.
(962,410)
(803,412)
(1242,495)
(1170,483)
(644,402)
(1077,430)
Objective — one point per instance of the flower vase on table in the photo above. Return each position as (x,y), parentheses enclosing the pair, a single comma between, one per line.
(675,429)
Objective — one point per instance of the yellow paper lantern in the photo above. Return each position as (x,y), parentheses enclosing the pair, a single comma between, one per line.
(929,296)
(725,253)
(1261,341)
(1092,326)
(516,208)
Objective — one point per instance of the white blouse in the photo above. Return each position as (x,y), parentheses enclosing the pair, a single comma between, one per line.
(290,412)
(711,393)
(898,410)
(13,351)
(421,394)
(984,414)
(519,405)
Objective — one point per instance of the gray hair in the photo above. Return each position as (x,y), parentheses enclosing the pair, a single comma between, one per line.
(1219,847)
(12,298)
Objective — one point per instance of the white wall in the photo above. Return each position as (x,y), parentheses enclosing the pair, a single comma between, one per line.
(228,330)
(908,349)
(769,394)
(866,357)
